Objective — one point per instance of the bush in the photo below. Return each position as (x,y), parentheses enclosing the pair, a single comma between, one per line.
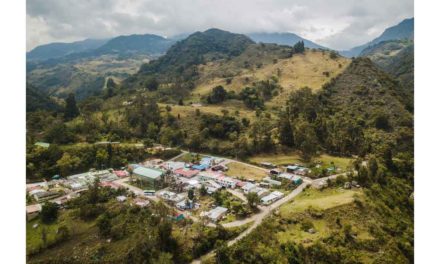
(306,225)
(49,212)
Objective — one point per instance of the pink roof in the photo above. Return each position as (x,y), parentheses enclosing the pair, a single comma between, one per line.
(112,185)
(120,173)
(240,183)
(188,173)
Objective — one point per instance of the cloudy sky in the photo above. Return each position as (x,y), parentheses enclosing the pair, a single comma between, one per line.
(337,24)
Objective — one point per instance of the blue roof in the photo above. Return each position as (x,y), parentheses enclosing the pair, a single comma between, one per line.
(292,167)
(200,167)
(206,161)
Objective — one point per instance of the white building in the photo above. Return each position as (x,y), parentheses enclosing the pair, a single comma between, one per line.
(121,198)
(248,187)
(171,196)
(272,197)
(215,214)
(260,191)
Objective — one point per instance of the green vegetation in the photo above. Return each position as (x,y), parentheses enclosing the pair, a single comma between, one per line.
(234,204)
(256,111)
(97,228)
(292,157)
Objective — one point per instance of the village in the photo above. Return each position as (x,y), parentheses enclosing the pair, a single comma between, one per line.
(196,186)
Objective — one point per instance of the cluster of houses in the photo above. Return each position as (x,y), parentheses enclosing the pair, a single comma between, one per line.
(208,173)
(60,190)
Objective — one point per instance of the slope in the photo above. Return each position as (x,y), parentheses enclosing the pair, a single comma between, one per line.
(36,100)
(181,59)
(260,62)
(56,50)
(403,30)
(397,58)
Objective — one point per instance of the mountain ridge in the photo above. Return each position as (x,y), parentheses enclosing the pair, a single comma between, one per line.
(403,30)
(282,38)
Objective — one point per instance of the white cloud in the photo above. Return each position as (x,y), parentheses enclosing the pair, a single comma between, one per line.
(335,23)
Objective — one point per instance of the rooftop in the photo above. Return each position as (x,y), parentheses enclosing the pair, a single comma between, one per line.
(148,172)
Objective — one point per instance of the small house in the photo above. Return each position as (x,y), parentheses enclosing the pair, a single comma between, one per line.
(272,182)
(248,187)
(297,180)
(200,167)
(260,191)
(32,211)
(215,214)
(274,171)
(186,172)
(292,168)
(121,198)
(171,196)
(141,202)
(272,197)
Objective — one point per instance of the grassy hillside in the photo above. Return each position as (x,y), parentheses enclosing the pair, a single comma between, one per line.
(84,77)
(262,62)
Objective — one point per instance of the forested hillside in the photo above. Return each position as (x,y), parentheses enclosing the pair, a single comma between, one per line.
(219,93)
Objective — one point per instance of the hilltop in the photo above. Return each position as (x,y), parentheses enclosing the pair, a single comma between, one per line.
(396,57)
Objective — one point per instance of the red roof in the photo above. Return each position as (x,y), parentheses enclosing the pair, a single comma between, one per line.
(185,172)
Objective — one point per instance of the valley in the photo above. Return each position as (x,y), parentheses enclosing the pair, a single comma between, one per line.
(217,149)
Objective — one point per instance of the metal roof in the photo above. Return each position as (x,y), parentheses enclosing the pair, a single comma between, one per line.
(148,172)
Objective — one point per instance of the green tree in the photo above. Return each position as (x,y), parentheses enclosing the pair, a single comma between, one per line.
(49,212)
(253,200)
(306,140)
(217,95)
(299,47)
(104,224)
(152,84)
(101,157)
(203,190)
(221,253)
(71,110)
(286,131)
(68,164)
(191,194)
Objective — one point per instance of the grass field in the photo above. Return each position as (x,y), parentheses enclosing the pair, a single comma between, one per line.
(232,106)
(240,170)
(292,73)
(319,199)
(333,203)
(34,235)
(294,158)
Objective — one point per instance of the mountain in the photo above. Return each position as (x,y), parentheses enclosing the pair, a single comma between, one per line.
(403,30)
(365,91)
(83,71)
(146,44)
(181,59)
(283,39)
(396,57)
(56,50)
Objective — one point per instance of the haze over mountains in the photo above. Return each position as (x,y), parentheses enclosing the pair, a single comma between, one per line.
(403,30)
(83,67)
